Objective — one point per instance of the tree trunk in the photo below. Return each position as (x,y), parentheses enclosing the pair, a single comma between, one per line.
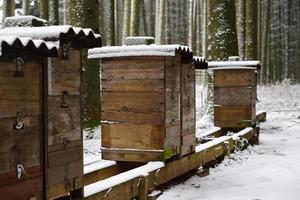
(198,28)
(53,12)
(222,40)
(265,67)
(44,11)
(160,22)
(87,16)
(204,28)
(109,25)
(190,25)
(240,16)
(251,30)
(127,14)
(135,17)
(26,7)
(8,8)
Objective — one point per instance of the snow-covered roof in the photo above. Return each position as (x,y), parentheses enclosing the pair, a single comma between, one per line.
(26,43)
(24,21)
(138,50)
(56,33)
(200,62)
(251,64)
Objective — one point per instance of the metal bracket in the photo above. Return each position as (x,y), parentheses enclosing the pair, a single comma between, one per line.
(64,52)
(66,143)
(19,62)
(19,124)
(20,170)
(65,103)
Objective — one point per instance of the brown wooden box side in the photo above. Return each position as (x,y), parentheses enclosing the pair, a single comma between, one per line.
(234,96)
(19,94)
(65,74)
(131,74)
(133,107)
(132,136)
(234,77)
(19,146)
(64,124)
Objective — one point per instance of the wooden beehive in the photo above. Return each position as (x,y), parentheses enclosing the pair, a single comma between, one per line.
(21,117)
(235,93)
(62,105)
(147,102)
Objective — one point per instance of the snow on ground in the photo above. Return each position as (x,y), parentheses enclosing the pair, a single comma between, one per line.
(270,170)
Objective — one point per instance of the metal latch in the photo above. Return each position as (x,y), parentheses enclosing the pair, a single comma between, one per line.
(19,62)
(20,170)
(19,124)
(64,50)
(65,103)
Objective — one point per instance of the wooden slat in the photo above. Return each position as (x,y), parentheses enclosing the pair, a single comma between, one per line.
(131,155)
(28,189)
(64,124)
(234,96)
(19,94)
(232,113)
(65,74)
(188,144)
(19,146)
(234,78)
(132,136)
(133,85)
(65,156)
(261,117)
(101,174)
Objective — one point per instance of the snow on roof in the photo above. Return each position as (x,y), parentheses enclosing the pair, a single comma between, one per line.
(137,50)
(26,42)
(52,33)
(251,64)
(24,21)
(105,184)
(139,40)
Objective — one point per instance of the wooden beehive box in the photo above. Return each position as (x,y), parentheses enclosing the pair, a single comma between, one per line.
(235,93)
(21,117)
(147,102)
(62,97)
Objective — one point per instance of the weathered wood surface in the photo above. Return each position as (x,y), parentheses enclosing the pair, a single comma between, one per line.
(20,94)
(234,78)
(261,117)
(134,136)
(28,189)
(234,96)
(133,107)
(132,155)
(65,74)
(233,116)
(19,146)
(64,124)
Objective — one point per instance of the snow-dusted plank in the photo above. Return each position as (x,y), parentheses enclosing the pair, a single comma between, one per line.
(136,50)
(102,185)
(207,145)
(97,165)
(241,133)
(209,132)
(227,65)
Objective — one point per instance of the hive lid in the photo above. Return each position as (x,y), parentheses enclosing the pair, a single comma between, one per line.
(200,63)
(26,43)
(251,64)
(24,21)
(79,37)
(141,50)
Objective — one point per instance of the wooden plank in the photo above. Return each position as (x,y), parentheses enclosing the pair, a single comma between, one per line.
(64,124)
(146,68)
(58,174)
(65,156)
(19,94)
(25,190)
(261,117)
(19,146)
(234,96)
(65,74)
(132,155)
(101,174)
(233,113)
(234,78)
(133,85)
(133,136)
(188,144)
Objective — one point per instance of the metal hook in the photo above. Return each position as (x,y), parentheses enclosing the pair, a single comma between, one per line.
(19,124)
(20,170)
(65,103)
(19,62)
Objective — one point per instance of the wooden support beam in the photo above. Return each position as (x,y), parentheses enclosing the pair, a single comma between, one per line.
(261,116)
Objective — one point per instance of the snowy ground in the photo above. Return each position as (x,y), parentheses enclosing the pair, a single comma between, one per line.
(270,170)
